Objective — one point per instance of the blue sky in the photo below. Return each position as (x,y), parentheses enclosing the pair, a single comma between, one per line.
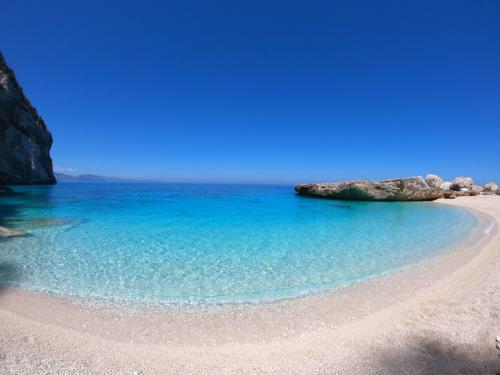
(263,91)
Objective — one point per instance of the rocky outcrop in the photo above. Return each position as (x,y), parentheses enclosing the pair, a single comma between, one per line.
(476,188)
(434,181)
(445,185)
(466,193)
(460,183)
(449,194)
(402,189)
(25,141)
(490,188)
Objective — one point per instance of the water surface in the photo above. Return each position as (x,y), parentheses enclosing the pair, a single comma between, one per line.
(211,243)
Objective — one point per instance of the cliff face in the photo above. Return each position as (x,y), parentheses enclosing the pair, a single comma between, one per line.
(25,141)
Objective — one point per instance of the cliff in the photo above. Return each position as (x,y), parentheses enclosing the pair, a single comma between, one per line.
(25,141)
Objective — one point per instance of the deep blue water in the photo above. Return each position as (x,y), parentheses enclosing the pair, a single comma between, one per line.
(210,243)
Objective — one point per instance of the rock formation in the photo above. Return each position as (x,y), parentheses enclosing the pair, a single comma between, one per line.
(403,189)
(460,183)
(445,185)
(434,181)
(466,193)
(25,141)
(490,188)
(449,194)
(476,188)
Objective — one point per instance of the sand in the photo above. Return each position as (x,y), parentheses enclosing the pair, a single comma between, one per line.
(439,317)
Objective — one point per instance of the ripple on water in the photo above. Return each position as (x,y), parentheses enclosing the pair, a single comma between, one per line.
(214,243)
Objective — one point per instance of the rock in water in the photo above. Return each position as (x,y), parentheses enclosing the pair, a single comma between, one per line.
(434,181)
(25,141)
(6,191)
(6,232)
(402,189)
(462,183)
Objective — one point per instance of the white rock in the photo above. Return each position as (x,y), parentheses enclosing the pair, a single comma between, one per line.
(434,181)
(491,186)
(445,185)
(459,183)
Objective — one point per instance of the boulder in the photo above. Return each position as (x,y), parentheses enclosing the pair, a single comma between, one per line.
(449,194)
(478,189)
(401,189)
(462,183)
(434,181)
(490,188)
(445,185)
(465,193)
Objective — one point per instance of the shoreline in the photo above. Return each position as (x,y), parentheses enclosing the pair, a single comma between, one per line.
(343,330)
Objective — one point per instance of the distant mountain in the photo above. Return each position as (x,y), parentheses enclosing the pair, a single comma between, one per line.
(86,178)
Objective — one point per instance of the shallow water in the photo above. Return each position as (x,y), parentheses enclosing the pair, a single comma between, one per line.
(192,243)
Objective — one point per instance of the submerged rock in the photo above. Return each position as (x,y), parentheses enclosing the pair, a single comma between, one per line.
(6,232)
(25,141)
(462,183)
(402,189)
(5,190)
(434,181)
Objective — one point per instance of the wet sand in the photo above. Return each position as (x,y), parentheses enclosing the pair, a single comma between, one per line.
(439,317)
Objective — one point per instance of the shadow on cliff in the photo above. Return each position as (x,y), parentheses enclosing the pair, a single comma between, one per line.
(429,357)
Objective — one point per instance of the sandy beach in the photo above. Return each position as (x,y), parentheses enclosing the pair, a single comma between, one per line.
(440,317)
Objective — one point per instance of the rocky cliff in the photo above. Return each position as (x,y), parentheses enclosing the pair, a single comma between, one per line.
(25,141)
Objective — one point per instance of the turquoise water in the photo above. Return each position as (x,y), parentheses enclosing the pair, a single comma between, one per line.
(210,243)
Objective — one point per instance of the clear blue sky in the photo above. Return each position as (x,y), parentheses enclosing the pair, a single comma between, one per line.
(276,91)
